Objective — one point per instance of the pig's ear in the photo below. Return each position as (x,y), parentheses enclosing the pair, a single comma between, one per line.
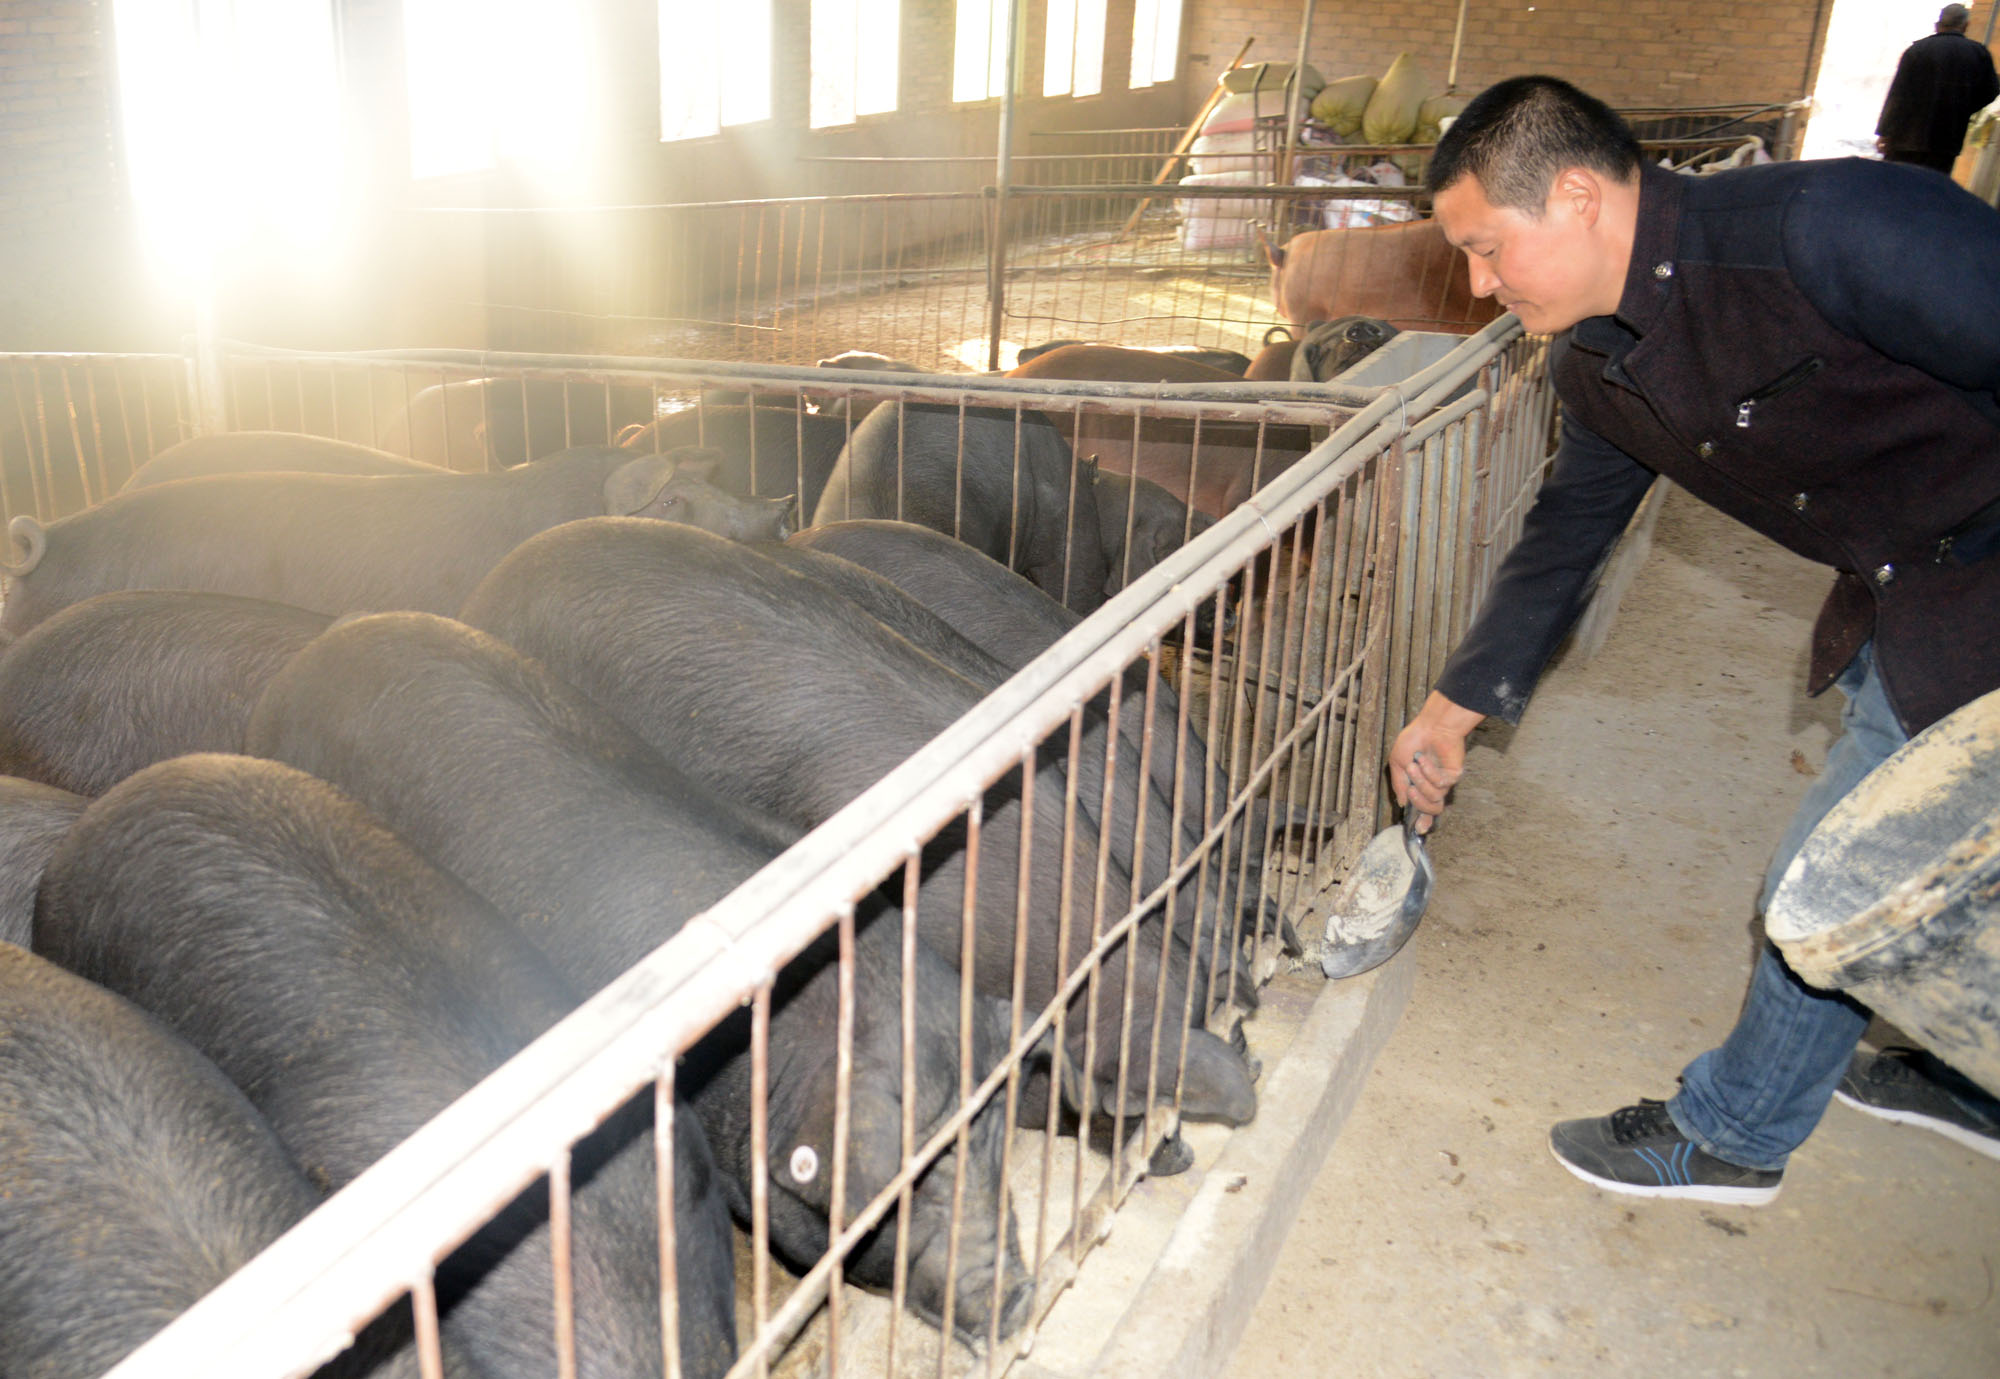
(801,1142)
(801,1137)
(697,462)
(635,483)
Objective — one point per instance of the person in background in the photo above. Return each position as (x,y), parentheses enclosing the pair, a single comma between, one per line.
(1940,83)
(1759,337)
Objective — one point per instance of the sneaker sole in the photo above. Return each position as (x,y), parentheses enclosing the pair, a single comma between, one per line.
(1987,1145)
(1692,1192)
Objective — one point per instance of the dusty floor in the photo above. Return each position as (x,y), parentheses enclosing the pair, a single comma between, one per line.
(1591,931)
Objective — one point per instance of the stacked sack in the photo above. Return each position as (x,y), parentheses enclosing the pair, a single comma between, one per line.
(1236,147)
(1239,139)
(1400,107)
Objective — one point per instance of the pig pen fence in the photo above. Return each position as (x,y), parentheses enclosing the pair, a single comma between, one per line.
(1292,637)
(1080,245)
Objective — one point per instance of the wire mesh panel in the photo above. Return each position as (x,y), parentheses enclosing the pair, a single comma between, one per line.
(997,899)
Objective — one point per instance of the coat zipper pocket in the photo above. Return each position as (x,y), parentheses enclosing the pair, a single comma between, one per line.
(1784,383)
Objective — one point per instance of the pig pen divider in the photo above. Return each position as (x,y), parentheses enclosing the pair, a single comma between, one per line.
(1370,530)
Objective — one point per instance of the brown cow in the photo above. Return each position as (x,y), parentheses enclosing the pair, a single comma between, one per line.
(1230,465)
(1408,275)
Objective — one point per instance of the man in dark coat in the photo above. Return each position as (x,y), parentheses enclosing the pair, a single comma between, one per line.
(1940,83)
(1779,341)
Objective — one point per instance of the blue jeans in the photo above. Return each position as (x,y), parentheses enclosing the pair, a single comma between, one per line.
(1755,1099)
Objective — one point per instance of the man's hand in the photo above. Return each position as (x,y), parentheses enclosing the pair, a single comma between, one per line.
(1428,756)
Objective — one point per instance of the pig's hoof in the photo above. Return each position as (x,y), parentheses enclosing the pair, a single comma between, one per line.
(1171,1156)
(1241,1045)
(1288,939)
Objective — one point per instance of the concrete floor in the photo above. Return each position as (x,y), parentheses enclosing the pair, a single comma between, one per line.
(1591,931)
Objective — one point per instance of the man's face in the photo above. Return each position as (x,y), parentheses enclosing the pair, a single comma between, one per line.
(1546,269)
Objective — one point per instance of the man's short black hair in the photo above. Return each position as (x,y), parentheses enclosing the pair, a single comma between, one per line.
(1516,137)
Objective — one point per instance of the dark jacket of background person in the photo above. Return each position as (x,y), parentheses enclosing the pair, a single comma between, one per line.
(1813,348)
(1940,83)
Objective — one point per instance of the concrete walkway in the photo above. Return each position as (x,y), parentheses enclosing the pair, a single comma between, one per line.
(1591,931)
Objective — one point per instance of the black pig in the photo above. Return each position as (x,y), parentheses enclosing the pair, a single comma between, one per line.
(133,1179)
(338,543)
(117,682)
(1019,495)
(353,991)
(771,689)
(575,829)
(255,452)
(33,819)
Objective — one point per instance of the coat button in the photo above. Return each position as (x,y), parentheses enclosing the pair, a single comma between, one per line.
(1799,502)
(1705,449)
(1663,271)
(1884,573)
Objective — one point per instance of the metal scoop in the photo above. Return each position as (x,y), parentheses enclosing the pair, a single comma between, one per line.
(1380,902)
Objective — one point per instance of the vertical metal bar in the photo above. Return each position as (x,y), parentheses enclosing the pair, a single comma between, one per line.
(207,364)
(760,1171)
(899,1282)
(1003,180)
(663,1168)
(1064,913)
(968,930)
(560,1267)
(44,473)
(424,1311)
(843,1121)
(1016,1006)
(1457,45)
(73,423)
(1284,165)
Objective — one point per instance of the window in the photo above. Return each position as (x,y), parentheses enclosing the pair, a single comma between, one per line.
(493,79)
(1156,41)
(1073,58)
(979,51)
(853,60)
(715,66)
(207,182)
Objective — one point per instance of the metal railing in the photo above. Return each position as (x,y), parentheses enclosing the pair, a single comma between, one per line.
(1233,700)
(73,427)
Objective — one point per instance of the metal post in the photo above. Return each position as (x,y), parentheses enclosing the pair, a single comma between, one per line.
(209,417)
(1457,42)
(1292,95)
(1003,179)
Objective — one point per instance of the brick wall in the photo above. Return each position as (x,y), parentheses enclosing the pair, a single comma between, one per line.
(1629,53)
(64,227)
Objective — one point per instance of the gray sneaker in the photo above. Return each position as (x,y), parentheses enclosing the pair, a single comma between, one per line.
(1639,1151)
(1911,1087)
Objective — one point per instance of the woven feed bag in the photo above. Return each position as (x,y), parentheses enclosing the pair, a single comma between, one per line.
(1340,104)
(1391,117)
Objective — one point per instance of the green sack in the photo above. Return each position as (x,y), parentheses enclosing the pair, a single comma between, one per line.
(1270,78)
(1340,104)
(1391,117)
(1433,112)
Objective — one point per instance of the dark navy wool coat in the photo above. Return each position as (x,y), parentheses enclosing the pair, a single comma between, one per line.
(1813,348)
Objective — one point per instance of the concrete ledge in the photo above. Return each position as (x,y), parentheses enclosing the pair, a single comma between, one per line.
(1190,1310)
